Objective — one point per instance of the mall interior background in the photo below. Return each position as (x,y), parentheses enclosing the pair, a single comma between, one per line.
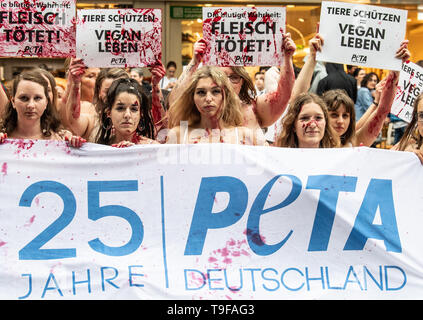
(182,26)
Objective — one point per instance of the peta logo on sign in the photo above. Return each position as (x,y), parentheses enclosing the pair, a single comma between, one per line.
(358,58)
(118,61)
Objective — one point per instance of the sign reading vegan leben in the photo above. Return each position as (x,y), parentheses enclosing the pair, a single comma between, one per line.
(361,35)
(119,37)
(37,28)
(244,36)
(410,85)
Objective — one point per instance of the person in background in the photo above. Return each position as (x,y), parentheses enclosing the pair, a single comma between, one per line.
(337,78)
(259,83)
(412,139)
(30,113)
(169,80)
(365,96)
(359,74)
(138,74)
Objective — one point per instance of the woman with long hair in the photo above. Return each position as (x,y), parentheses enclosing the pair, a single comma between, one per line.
(412,139)
(30,113)
(125,118)
(209,111)
(306,124)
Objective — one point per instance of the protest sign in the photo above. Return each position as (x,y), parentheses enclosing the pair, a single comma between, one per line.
(363,35)
(119,37)
(37,28)
(410,85)
(211,221)
(245,36)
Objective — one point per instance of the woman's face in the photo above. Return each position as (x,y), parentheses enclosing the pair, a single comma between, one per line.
(208,98)
(339,120)
(170,72)
(310,126)
(104,87)
(361,75)
(371,84)
(88,83)
(125,113)
(420,117)
(235,80)
(29,101)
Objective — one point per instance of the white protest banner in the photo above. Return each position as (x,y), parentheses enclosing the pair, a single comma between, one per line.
(244,36)
(211,221)
(361,34)
(410,85)
(119,37)
(37,28)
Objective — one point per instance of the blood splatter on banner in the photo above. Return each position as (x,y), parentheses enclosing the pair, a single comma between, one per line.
(119,37)
(245,36)
(36,28)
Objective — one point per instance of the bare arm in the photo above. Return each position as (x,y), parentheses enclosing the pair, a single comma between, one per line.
(270,106)
(157,110)
(186,76)
(369,128)
(302,83)
(71,115)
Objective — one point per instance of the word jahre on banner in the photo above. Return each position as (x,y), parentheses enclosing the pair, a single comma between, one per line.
(244,36)
(37,29)
(361,35)
(119,37)
(410,85)
(106,223)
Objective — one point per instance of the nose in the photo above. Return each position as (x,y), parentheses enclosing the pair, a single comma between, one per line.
(209,96)
(127,113)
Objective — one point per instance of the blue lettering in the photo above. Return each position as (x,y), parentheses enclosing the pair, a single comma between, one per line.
(329,187)
(257,210)
(204,218)
(186,279)
(378,195)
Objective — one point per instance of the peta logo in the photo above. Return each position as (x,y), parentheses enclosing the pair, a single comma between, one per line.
(358,58)
(116,61)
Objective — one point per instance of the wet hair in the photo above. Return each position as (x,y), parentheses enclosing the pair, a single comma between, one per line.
(288,137)
(145,127)
(411,132)
(52,81)
(184,109)
(336,98)
(49,120)
(106,73)
(367,78)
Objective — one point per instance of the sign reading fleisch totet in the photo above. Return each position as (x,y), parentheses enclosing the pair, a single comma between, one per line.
(361,35)
(119,37)
(37,28)
(245,36)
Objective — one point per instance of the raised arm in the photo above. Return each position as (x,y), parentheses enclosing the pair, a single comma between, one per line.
(270,106)
(71,116)
(186,76)
(369,126)
(303,81)
(158,112)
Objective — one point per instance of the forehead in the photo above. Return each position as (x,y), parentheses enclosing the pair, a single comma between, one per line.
(92,71)
(30,86)
(311,108)
(340,109)
(206,82)
(126,97)
(227,70)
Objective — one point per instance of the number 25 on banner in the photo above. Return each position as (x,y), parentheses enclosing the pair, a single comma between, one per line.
(33,251)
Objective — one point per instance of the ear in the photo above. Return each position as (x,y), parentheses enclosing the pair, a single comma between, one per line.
(12,101)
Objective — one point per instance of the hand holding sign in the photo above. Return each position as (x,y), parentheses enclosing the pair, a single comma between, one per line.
(403,53)
(157,72)
(199,50)
(76,70)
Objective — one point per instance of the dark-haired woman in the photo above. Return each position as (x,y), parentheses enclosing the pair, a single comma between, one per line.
(126,114)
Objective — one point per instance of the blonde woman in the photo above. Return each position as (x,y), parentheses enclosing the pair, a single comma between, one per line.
(209,111)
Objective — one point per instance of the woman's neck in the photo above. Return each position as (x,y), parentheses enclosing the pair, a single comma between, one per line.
(211,123)
(119,137)
(28,131)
